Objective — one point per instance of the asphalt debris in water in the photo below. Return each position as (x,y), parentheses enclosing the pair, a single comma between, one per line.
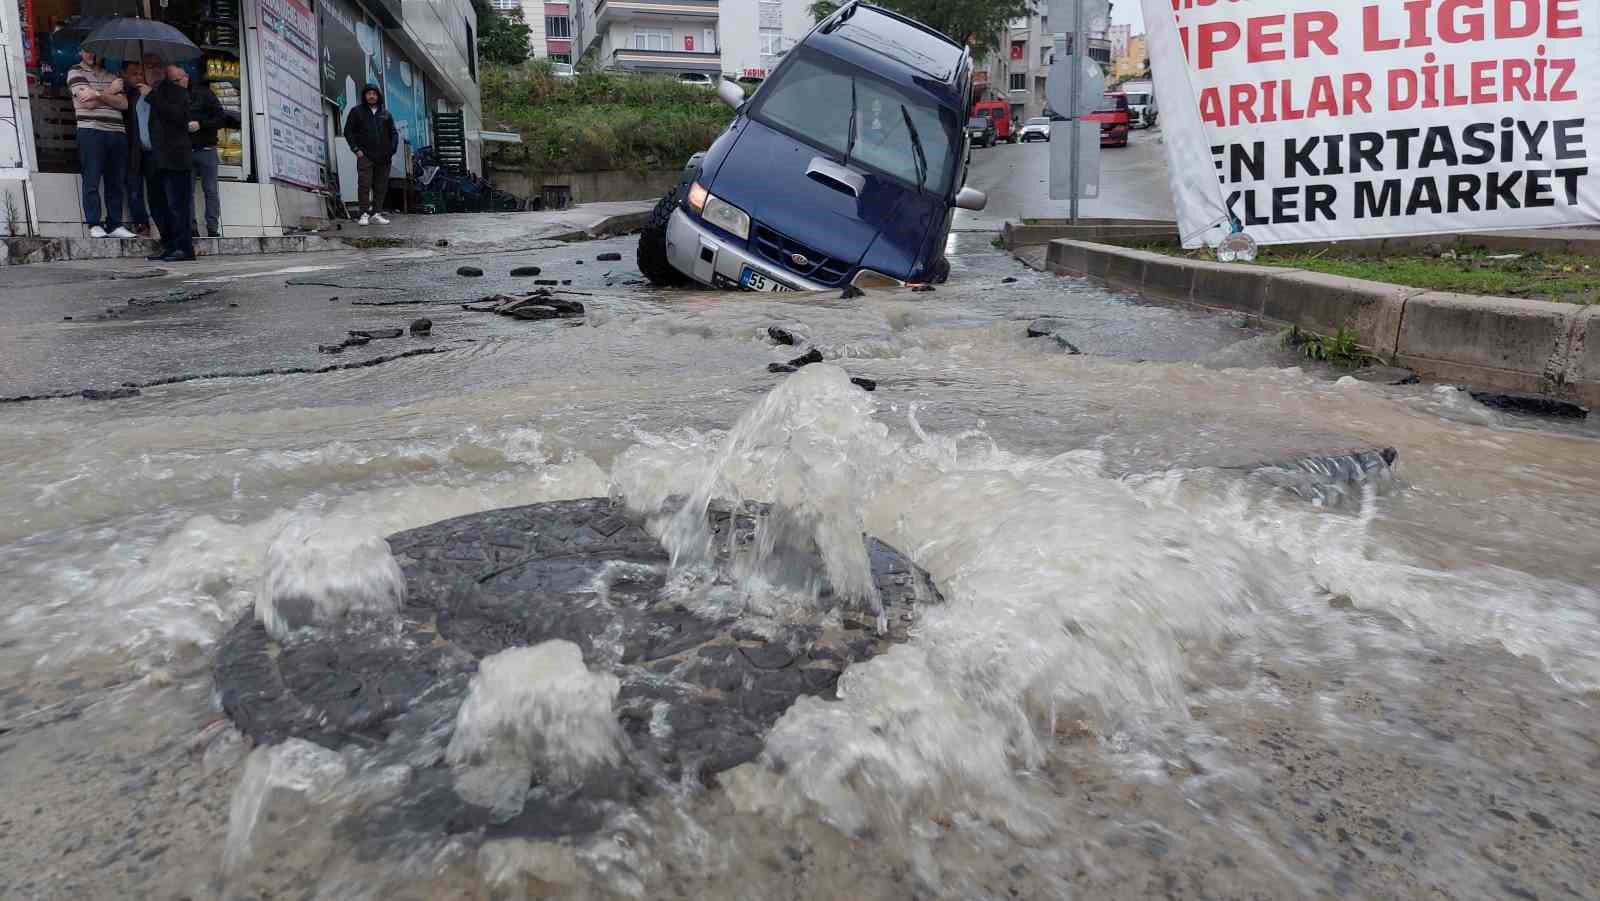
(469,271)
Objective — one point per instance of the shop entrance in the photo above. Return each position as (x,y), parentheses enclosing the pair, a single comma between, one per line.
(55,30)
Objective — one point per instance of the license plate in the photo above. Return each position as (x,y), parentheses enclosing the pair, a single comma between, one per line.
(751,280)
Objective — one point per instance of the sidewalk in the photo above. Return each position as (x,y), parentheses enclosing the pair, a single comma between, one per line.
(479,231)
(473,231)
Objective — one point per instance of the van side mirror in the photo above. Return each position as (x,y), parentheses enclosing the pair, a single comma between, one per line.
(971,199)
(731,94)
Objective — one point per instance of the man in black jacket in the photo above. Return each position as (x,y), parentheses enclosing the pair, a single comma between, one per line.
(206,110)
(370,132)
(170,153)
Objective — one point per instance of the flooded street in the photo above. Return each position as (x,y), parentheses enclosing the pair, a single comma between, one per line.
(1157,670)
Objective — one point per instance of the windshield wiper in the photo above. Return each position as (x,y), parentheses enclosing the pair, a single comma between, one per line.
(850,143)
(918,155)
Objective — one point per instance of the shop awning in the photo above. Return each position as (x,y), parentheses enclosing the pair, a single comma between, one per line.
(500,137)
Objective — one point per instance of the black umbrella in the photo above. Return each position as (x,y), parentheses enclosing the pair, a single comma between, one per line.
(126,39)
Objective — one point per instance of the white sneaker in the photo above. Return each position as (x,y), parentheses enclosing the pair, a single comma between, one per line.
(380,219)
(97,232)
(121,233)
(364,220)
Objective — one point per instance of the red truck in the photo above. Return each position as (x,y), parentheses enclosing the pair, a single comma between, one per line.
(998,112)
(1115,119)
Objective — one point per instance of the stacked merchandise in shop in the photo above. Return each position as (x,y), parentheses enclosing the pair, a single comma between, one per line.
(217,33)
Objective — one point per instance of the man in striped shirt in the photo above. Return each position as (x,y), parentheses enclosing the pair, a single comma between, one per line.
(98,103)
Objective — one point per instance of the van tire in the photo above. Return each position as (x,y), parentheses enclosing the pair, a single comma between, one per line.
(652,253)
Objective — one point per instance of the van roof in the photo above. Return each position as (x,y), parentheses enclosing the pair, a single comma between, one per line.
(892,45)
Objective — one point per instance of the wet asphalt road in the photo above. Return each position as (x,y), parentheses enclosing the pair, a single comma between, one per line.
(68,326)
(1133,183)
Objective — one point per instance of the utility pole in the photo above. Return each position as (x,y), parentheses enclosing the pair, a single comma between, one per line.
(1077,75)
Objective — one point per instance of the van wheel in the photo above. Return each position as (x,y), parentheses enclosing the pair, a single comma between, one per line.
(652,253)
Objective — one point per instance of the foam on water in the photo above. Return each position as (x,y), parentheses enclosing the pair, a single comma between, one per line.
(325,578)
(532,715)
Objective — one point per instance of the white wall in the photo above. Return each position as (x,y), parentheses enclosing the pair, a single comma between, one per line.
(741,26)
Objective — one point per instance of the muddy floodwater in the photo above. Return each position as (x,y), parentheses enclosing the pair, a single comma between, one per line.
(1162,666)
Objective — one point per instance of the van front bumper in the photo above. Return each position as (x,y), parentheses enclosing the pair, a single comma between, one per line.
(702,255)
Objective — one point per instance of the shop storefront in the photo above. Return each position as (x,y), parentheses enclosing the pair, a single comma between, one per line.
(291,70)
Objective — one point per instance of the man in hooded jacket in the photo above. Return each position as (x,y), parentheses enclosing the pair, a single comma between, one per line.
(370,132)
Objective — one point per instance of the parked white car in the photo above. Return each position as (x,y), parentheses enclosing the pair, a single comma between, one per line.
(1035,130)
(698,79)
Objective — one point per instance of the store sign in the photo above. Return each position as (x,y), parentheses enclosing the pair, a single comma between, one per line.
(754,73)
(294,103)
(1328,120)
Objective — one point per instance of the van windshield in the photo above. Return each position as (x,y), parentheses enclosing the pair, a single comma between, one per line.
(898,133)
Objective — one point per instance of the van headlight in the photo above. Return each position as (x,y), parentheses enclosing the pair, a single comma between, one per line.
(723,214)
(866,278)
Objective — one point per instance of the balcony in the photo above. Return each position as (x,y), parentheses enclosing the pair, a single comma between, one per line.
(607,11)
(667,61)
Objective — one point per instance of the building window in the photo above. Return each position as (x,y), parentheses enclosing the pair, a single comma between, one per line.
(771,41)
(557,27)
(561,58)
(506,6)
(1044,56)
(652,39)
(1019,81)
(472,52)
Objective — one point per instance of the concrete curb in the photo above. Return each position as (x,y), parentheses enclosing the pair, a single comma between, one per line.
(21,251)
(1526,346)
(1143,231)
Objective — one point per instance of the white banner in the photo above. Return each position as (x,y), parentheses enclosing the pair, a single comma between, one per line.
(1316,120)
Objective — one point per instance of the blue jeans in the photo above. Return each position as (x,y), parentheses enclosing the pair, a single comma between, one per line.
(205,163)
(102,155)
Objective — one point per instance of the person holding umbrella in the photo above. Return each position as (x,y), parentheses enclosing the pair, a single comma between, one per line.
(172,156)
(97,106)
(162,119)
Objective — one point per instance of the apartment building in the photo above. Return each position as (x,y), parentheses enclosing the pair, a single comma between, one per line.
(737,38)
(549,27)
(1018,71)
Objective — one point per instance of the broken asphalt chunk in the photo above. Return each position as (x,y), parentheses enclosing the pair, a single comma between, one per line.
(806,359)
(525,271)
(781,336)
(375,333)
(469,271)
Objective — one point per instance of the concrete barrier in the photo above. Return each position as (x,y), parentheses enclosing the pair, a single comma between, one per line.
(1502,342)
(1525,346)
(1326,303)
(1105,231)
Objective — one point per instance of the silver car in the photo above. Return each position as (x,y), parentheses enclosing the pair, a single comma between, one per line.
(1035,130)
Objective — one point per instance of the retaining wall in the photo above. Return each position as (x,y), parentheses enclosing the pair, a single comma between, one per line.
(1511,344)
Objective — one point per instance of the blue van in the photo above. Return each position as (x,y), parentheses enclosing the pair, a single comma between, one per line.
(845,168)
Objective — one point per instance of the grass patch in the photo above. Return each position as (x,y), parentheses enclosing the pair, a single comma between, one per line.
(1337,349)
(1563,277)
(596,121)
